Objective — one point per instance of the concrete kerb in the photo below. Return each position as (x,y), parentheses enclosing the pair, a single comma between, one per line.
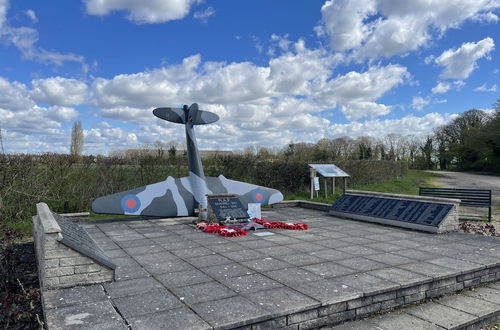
(47,221)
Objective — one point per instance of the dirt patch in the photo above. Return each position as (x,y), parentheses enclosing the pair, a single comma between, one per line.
(20,302)
(479,228)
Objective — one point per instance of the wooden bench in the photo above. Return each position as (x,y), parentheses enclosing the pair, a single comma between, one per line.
(468,197)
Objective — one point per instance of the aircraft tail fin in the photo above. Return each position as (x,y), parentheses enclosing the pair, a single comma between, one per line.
(181,116)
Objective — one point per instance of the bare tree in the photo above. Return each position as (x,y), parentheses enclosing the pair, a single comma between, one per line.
(76,148)
(1,144)
(160,148)
(173,146)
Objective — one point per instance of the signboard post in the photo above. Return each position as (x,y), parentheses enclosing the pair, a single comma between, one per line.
(328,171)
(312,173)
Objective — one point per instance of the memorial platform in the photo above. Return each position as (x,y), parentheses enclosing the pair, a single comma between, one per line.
(170,275)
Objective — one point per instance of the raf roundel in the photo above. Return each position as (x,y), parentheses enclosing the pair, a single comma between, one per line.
(258,196)
(130,203)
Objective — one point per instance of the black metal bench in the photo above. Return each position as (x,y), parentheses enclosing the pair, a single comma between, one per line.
(468,197)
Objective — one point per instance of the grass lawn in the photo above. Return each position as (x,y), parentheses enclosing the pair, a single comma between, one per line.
(96,216)
(407,185)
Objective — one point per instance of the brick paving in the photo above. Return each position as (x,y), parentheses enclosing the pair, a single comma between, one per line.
(171,276)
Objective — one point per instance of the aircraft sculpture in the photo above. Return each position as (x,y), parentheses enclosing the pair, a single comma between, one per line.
(185,196)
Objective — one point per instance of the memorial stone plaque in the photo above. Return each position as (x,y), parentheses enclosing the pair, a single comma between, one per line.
(78,239)
(416,214)
(224,207)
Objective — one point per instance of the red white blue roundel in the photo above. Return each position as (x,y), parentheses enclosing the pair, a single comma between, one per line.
(130,203)
(258,196)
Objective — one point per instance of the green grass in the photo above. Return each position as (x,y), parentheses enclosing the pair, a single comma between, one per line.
(25,227)
(95,216)
(320,199)
(407,185)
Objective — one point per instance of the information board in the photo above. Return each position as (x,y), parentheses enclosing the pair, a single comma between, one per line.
(316,183)
(224,207)
(329,170)
(254,210)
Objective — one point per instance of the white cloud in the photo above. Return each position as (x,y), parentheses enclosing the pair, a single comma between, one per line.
(25,39)
(488,17)
(376,28)
(127,114)
(31,14)
(20,114)
(357,110)
(52,140)
(429,59)
(305,74)
(258,104)
(405,126)
(61,114)
(59,91)
(204,15)
(459,84)
(344,22)
(4,7)
(365,86)
(282,41)
(147,89)
(14,96)
(114,135)
(459,63)
(141,12)
(485,88)
(418,102)
(36,120)
(441,88)
(296,73)
(356,92)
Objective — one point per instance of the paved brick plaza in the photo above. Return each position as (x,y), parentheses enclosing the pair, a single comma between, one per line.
(170,275)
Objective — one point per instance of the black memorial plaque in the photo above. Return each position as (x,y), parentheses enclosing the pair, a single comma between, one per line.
(224,207)
(408,211)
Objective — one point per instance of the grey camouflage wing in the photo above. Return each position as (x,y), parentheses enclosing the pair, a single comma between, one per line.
(168,198)
(249,193)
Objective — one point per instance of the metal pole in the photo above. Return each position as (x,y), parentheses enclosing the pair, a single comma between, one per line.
(312,182)
(326,194)
(333,186)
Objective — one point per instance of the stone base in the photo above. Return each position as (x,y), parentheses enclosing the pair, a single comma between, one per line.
(60,266)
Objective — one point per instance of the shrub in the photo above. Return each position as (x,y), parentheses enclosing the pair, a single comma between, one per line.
(70,183)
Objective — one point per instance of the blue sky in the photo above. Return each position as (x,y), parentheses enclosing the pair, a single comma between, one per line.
(274,71)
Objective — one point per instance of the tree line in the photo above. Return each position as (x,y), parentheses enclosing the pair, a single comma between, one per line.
(471,141)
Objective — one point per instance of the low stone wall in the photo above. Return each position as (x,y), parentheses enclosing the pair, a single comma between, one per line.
(60,266)
(379,302)
(304,204)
